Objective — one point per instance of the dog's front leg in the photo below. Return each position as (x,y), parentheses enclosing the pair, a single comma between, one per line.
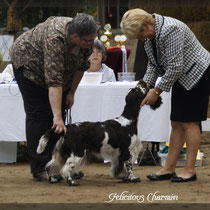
(130,177)
(68,169)
(53,171)
(68,177)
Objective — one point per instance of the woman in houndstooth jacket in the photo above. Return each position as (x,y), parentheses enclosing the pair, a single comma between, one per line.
(175,54)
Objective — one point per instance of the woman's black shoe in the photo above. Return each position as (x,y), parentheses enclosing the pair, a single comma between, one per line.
(180,179)
(156,177)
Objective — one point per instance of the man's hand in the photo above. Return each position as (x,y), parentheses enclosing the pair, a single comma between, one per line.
(69,100)
(55,98)
(70,97)
(59,126)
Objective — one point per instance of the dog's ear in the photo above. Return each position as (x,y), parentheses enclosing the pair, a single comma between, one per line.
(157,103)
(141,83)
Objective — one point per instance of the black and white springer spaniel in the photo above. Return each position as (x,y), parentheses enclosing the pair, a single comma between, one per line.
(115,140)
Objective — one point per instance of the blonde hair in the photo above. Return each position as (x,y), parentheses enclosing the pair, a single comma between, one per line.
(132,22)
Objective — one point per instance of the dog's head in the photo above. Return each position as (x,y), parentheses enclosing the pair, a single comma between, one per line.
(137,94)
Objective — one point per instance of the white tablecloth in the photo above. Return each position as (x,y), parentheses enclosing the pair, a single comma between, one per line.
(12,115)
(100,102)
(92,103)
(155,125)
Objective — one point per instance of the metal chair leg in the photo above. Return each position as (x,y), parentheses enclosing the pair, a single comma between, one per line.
(147,148)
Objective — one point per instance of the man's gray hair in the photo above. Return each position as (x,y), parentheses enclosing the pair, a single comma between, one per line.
(83,25)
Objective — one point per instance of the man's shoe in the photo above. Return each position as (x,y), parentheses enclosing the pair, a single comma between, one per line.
(41,176)
(78,175)
(180,179)
(156,177)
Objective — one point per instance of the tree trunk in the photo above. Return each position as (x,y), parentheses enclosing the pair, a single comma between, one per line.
(14,22)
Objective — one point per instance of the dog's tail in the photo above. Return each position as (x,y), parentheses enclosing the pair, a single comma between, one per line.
(44,140)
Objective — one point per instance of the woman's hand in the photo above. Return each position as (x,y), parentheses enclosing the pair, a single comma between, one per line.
(150,98)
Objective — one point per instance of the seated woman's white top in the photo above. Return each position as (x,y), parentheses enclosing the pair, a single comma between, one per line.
(108,74)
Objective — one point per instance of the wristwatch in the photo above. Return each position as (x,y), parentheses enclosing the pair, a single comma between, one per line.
(156,92)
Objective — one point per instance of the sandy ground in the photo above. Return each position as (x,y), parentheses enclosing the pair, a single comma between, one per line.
(17,186)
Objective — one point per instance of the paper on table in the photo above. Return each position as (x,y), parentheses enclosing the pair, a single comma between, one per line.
(7,75)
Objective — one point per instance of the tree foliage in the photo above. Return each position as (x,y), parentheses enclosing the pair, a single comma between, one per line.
(38,10)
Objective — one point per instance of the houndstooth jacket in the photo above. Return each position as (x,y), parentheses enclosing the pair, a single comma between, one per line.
(180,56)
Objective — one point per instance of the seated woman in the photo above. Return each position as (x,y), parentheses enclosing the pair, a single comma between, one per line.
(97,57)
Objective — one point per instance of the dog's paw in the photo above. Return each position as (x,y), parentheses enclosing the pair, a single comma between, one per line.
(55,179)
(77,175)
(74,183)
(135,179)
(71,182)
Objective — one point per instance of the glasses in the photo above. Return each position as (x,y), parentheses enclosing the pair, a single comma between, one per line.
(88,41)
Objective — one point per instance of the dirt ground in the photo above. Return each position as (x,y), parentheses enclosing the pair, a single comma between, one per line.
(17,186)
